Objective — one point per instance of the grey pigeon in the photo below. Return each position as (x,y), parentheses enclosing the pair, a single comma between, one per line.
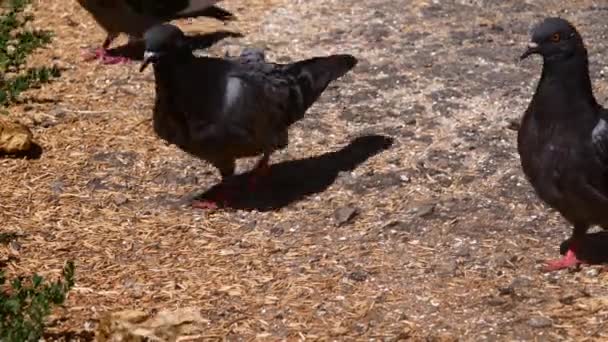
(251,55)
(563,138)
(134,17)
(224,109)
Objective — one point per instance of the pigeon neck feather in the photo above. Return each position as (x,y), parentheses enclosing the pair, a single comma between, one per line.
(173,58)
(568,79)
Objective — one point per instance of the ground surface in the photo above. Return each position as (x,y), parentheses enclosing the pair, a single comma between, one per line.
(447,239)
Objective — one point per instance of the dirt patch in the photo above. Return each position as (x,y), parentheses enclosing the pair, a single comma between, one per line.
(446,238)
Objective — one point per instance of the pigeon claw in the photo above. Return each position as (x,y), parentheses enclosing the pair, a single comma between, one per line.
(221,199)
(205,205)
(105,58)
(114,60)
(567,261)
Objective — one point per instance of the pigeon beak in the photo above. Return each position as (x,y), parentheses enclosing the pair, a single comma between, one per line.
(532,49)
(149,57)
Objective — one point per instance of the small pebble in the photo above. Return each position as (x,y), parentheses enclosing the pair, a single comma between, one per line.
(425,210)
(567,299)
(277,230)
(344,215)
(507,290)
(592,272)
(15,247)
(496,301)
(463,251)
(358,275)
(120,199)
(540,322)
(398,227)
(57,187)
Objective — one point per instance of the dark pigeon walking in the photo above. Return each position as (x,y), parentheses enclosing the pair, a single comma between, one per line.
(134,17)
(224,109)
(563,139)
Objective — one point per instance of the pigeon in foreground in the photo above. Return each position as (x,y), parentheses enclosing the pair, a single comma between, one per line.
(563,138)
(134,17)
(224,109)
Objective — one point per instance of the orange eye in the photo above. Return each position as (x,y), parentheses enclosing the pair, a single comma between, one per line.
(555,37)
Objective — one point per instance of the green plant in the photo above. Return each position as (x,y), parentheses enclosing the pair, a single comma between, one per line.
(16,43)
(26,304)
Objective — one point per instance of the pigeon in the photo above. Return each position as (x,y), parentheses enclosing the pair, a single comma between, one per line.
(222,109)
(563,137)
(134,17)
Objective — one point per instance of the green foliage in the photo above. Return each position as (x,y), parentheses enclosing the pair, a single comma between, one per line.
(25,306)
(24,303)
(16,43)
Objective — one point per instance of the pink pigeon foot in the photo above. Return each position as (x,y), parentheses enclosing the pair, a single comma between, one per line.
(105,58)
(221,198)
(205,205)
(567,261)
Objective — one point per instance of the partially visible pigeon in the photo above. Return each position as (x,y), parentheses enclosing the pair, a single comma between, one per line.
(134,17)
(224,109)
(251,55)
(563,139)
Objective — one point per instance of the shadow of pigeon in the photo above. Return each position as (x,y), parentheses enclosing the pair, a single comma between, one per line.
(34,152)
(593,248)
(294,180)
(135,50)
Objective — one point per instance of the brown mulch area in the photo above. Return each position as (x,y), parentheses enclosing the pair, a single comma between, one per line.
(398,210)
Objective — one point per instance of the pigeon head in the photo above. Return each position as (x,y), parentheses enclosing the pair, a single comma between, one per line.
(162,40)
(554,39)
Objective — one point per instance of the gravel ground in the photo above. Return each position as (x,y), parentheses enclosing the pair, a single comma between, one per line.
(398,211)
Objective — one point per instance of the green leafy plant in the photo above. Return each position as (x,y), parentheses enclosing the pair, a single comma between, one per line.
(16,43)
(24,307)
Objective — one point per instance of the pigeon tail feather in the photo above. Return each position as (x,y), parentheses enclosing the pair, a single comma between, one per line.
(216,13)
(204,8)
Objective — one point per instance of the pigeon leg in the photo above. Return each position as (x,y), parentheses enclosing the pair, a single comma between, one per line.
(106,58)
(261,170)
(103,55)
(567,261)
(225,192)
(220,199)
(205,205)
(570,259)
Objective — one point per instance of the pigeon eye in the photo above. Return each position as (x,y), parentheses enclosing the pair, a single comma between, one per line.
(555,37)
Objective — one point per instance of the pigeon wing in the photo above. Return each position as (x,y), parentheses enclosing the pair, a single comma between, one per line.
(178,8)
(269,97)
(599,137)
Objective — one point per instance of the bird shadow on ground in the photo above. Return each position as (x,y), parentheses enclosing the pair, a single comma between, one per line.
(135,50)
(296,179)
(38,100)
(593,248)
(34,152)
